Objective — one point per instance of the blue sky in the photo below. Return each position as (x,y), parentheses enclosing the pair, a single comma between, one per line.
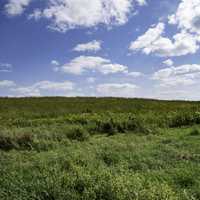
(123,48)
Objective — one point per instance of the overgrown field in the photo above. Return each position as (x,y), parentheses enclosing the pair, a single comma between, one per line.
(99,149)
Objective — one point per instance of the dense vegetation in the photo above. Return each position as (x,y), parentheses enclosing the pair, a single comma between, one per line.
(99,148)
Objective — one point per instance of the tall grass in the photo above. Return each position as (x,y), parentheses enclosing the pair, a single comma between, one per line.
(99,149)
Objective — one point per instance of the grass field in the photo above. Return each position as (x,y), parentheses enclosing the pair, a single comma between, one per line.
(99,149)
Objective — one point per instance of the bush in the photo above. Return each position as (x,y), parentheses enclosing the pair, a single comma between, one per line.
(121,127)
(78,133)
(195,132)
(6,143)
(184,119)
(139,125)
(132,124)
(25,141)
(109,157)
(106,127)
(185,179)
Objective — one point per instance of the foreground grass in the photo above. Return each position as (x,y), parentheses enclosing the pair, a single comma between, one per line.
(164,166)
(123,154)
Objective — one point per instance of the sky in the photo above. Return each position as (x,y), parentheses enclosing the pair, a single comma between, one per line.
(119,48)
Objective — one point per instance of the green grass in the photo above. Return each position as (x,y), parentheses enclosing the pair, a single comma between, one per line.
(103,149)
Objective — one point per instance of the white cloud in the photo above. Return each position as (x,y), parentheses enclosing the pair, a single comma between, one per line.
(55,86)
(7,84)
(55,62)
(176,82)
(37,89)
(168,62)
(81,64)
(178,76)
(5,67)
(116,89)
(175,94)
(16,7)
(176,71)
(186,41)
(70,14)
(187,16)
(145,41)
(181,82)
(134,74)
(142,2)
(91,79)
(26,91)
(91,46)
(152,41)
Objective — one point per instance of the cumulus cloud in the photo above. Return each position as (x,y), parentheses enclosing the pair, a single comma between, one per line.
(175,94)
(187,16)
(16,7)
(56,86)
(90,46)
(116,89)
(91,79)
(28,91)
(168,62)
(145,41)
(69,14)
(153,41)
(81,64)
(185,41)
(37,89)
(7,84)
(178,76)
(55,62)
(134,74)
(5,67)
(142,2)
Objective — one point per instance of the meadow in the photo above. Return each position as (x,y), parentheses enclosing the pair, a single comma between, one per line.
(55,148)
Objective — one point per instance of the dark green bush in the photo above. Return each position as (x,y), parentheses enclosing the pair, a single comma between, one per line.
(184,119)
(121,128)
(195,132)
(106,127)
(22,142)
(78,133)
(6,143)
(109,157)
(25,141)
(185,179)
(132,124)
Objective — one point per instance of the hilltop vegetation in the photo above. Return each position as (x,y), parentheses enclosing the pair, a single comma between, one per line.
(99,148)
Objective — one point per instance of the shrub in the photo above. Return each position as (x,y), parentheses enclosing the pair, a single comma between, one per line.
(78,133)
(6,143)
(185,179)
(109,128)
(132,124)
(184,119)
(121,127)
(139,125)
(106,127)
(25,141)
(87,110)
(195,132)
(109,157)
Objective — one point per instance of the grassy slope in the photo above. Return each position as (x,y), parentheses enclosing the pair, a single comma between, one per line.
(43,162)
